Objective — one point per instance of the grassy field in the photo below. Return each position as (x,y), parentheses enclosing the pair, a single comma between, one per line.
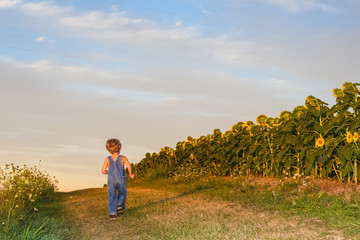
(217,209)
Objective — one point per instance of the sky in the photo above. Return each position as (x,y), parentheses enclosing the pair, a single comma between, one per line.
(74,73)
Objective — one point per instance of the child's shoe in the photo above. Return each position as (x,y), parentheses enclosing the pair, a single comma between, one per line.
(112,216)
(120,210)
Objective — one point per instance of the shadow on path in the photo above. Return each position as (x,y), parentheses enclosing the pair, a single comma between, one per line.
(165,200)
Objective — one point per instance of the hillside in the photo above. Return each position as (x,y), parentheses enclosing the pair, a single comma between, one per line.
(216,209)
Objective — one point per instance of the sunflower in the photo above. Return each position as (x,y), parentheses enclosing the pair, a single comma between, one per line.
(349,137)
(355,136)
(337,92)
(319,142)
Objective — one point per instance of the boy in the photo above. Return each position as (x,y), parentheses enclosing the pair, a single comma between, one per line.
(116,177)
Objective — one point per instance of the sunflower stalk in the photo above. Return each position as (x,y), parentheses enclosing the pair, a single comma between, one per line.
(355,162)
(338,173)
(355,170)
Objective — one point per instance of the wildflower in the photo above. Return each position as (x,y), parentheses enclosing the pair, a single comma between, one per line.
(35,209)
(319,142)
(349,137)
(356,136)
(3,223)
(16,206)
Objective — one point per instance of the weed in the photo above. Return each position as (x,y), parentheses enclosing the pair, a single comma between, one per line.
(21,190)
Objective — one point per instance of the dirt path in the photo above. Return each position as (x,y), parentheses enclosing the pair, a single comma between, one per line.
(163,214)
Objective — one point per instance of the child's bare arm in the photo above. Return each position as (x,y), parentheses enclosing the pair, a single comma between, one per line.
(105,166)
(128,165)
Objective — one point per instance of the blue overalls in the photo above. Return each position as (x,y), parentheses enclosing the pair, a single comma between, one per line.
(116,181)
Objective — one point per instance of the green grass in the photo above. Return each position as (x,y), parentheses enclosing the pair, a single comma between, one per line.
(44,223)
(55,225)
(211,208)
(291,198)
(164,214)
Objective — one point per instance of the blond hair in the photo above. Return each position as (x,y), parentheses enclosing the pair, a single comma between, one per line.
(113,145)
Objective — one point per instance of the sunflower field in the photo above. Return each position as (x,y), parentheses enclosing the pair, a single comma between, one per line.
(313,140)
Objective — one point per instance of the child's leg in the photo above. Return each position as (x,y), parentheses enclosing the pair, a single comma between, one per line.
(112,201)
(122,197)
(120,201)
(122,193)
(118,196)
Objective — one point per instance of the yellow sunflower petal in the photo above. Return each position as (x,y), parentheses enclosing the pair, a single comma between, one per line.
(355,136)
(319,142)
(349,137)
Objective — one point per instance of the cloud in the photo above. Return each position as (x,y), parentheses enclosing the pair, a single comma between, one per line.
(45,9)
(300,5)
(117,26)
(40,39)
(67,105)
(205,11)
(186,45)
(115,8)
(9,3)
(70,87)
(99,20)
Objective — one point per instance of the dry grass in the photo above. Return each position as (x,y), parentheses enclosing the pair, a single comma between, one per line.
(178,214)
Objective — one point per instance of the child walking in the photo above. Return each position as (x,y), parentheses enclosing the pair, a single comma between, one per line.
(116,185)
